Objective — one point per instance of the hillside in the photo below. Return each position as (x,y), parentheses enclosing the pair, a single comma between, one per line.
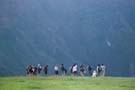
(68,32)
(66,83)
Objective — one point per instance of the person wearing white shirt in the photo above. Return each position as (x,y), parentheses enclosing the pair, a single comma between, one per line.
(103,70)
(56,69)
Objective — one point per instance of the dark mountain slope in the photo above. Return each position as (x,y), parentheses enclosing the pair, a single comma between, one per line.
(67,31)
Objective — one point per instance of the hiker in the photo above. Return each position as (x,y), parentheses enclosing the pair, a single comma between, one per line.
(82,70)
(63,69)
(56,69)
(39,68)
(74,69)
(71,70)
(103,70)
(27,70)
(99,70)
(94,74)
(46,70)
(35,71)
(90,70)
(30,68)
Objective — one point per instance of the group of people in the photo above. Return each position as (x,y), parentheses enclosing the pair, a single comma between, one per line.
(75,69)
(36,70)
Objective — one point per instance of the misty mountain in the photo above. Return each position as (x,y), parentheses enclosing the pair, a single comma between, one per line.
(67,31)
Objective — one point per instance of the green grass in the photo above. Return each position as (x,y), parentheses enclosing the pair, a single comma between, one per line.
(66,83)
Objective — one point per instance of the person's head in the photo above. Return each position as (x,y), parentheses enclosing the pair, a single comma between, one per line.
(94,71)
(98,64)
(38,64)
(81,65)
(102,64)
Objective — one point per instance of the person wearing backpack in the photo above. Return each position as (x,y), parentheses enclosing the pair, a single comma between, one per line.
(30,68)
(99,70)
(39,68)
(46,70)
(90,70)
(74,69)
(71,70)
(103,70)
(82,70)
(63,70)
(35,71)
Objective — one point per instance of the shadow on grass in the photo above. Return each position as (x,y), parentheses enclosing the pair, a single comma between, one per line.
(21,81)
(127,86)
(34,87)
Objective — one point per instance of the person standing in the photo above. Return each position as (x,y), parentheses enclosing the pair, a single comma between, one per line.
(99,70)
(30,68)
(46,70)
(56,69)
(82,70)
(74,69)
(35,71)
(63,70)
(90,70)
(103,70)
(27,70)
(71,70)
(39,68)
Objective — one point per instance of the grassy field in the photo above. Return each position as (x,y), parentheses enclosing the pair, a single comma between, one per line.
(66,83)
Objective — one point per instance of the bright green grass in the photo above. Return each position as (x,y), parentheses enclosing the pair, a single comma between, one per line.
(66,83)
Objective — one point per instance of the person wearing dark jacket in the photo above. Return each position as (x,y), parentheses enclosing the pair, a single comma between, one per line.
(46,70)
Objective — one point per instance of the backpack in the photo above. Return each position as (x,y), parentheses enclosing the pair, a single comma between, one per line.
(45,68)
(65,70)
(99,69)
(89,68)
(62,68)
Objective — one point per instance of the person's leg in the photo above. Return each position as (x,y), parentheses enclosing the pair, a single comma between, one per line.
(82,74)
(103,73)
